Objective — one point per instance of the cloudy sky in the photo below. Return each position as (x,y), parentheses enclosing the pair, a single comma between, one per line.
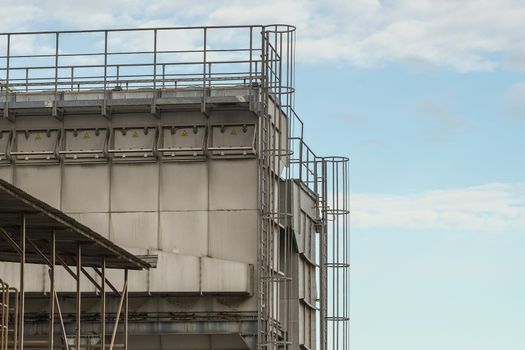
(427,98)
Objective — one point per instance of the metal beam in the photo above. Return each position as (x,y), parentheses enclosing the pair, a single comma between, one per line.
(22,275)
(52,291)
(78,297)
(117,319)
(10,240)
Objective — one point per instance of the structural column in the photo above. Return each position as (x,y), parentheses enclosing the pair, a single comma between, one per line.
(79,271)
(52,292)
(22,288)
(103,307)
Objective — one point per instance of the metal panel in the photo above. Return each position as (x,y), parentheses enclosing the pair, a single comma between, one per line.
(98,222)
(85,188)
(36,145)
(31,179)
(64,282)
(6,173)
(233,235)
(184,232)
(233,184)
(185,141)
(134,187)
(184,186)
(226,276)
(183,278)
(85,144)
(5,142)
(133,143)
(237,139)
(135,230)
(34,275)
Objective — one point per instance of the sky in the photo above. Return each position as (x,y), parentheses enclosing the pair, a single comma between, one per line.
(427,98)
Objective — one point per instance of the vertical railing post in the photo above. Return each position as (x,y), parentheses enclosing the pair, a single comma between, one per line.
(72,78)
(250,86)
(8,65)
(204,64)
(27,79)
(105,100)
(163,76)
(323,256)
(55,107)
(154,100)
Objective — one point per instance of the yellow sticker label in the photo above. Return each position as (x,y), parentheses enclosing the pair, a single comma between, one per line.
(184,133)
(86,135)
(135,134)
(233,132)
(38,136)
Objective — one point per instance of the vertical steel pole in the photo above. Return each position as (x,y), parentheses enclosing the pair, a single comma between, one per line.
(55,106)
(126,310)
(103,307)
(22,274)
(154,99)
(105,62)
(52,292)
(251,58)
(203,105)
(72,78)
(323,272)
(8,59)
(79,301)
(154,60)
(105,102)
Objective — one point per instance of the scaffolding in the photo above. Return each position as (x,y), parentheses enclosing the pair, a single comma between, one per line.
(32,232)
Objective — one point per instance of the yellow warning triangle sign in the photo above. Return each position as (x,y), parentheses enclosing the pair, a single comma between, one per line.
(86,135)
(233,132)
(184,133)
(135,134)
(38,136)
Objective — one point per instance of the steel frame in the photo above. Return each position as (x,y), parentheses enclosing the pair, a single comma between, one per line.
(18,341)
(266,69)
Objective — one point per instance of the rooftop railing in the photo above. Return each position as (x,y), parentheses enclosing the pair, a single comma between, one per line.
(148,58)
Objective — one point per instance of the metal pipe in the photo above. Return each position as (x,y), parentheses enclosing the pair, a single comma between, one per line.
(22,275)
(103,306)
(203,106)
(119,310)
(8,66)
(62,326)
(126,310)
(78,297)
(52,291)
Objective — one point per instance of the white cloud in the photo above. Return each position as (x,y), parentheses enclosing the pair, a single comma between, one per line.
(490,208)
(466,35)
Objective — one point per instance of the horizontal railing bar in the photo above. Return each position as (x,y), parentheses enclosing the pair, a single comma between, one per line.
(120,77)
(100,82)
(128,65)
(129,53)
(245,26)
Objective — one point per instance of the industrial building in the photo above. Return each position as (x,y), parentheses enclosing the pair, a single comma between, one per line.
(181,148)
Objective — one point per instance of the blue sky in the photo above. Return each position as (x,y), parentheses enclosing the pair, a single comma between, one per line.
(427,98)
